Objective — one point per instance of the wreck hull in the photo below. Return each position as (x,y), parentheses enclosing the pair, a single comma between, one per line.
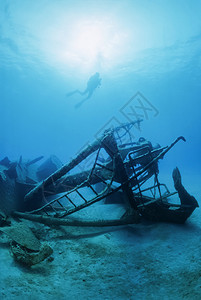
(158,211)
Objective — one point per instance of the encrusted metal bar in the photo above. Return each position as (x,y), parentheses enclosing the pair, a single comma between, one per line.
(81,196)
(68,200)
(62,171)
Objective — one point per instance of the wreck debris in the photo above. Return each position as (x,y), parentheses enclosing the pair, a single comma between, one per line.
(140,163)
(119,164)
(185,197)
(62,171)
(16,180)
(49,166)
(5,162)
(8,197)
(25,247)
(22,235)
(33,161)
(4,220)
(30,258)
(160,210)
(116,170)
(52,221)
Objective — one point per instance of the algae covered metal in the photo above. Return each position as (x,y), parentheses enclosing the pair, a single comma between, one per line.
(119,164)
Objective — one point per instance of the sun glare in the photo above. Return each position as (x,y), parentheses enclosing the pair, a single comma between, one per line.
(88,40)
(90,44)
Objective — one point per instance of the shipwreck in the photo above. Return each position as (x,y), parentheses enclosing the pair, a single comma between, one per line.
(114,168)
(56,191)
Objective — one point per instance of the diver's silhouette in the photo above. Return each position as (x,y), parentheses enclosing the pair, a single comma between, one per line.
(93,82)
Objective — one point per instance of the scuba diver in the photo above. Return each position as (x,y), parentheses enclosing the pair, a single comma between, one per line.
(93,83)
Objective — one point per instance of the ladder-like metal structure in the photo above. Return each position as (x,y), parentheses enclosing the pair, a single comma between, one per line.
(124,169)
(74,199)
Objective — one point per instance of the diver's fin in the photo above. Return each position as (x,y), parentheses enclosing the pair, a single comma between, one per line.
(79,104)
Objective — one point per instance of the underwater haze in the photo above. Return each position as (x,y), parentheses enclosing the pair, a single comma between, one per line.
(148,54)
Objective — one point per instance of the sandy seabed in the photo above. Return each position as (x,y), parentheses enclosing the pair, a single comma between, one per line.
(143,261)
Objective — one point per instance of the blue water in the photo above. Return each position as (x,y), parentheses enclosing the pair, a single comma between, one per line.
(49,48)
